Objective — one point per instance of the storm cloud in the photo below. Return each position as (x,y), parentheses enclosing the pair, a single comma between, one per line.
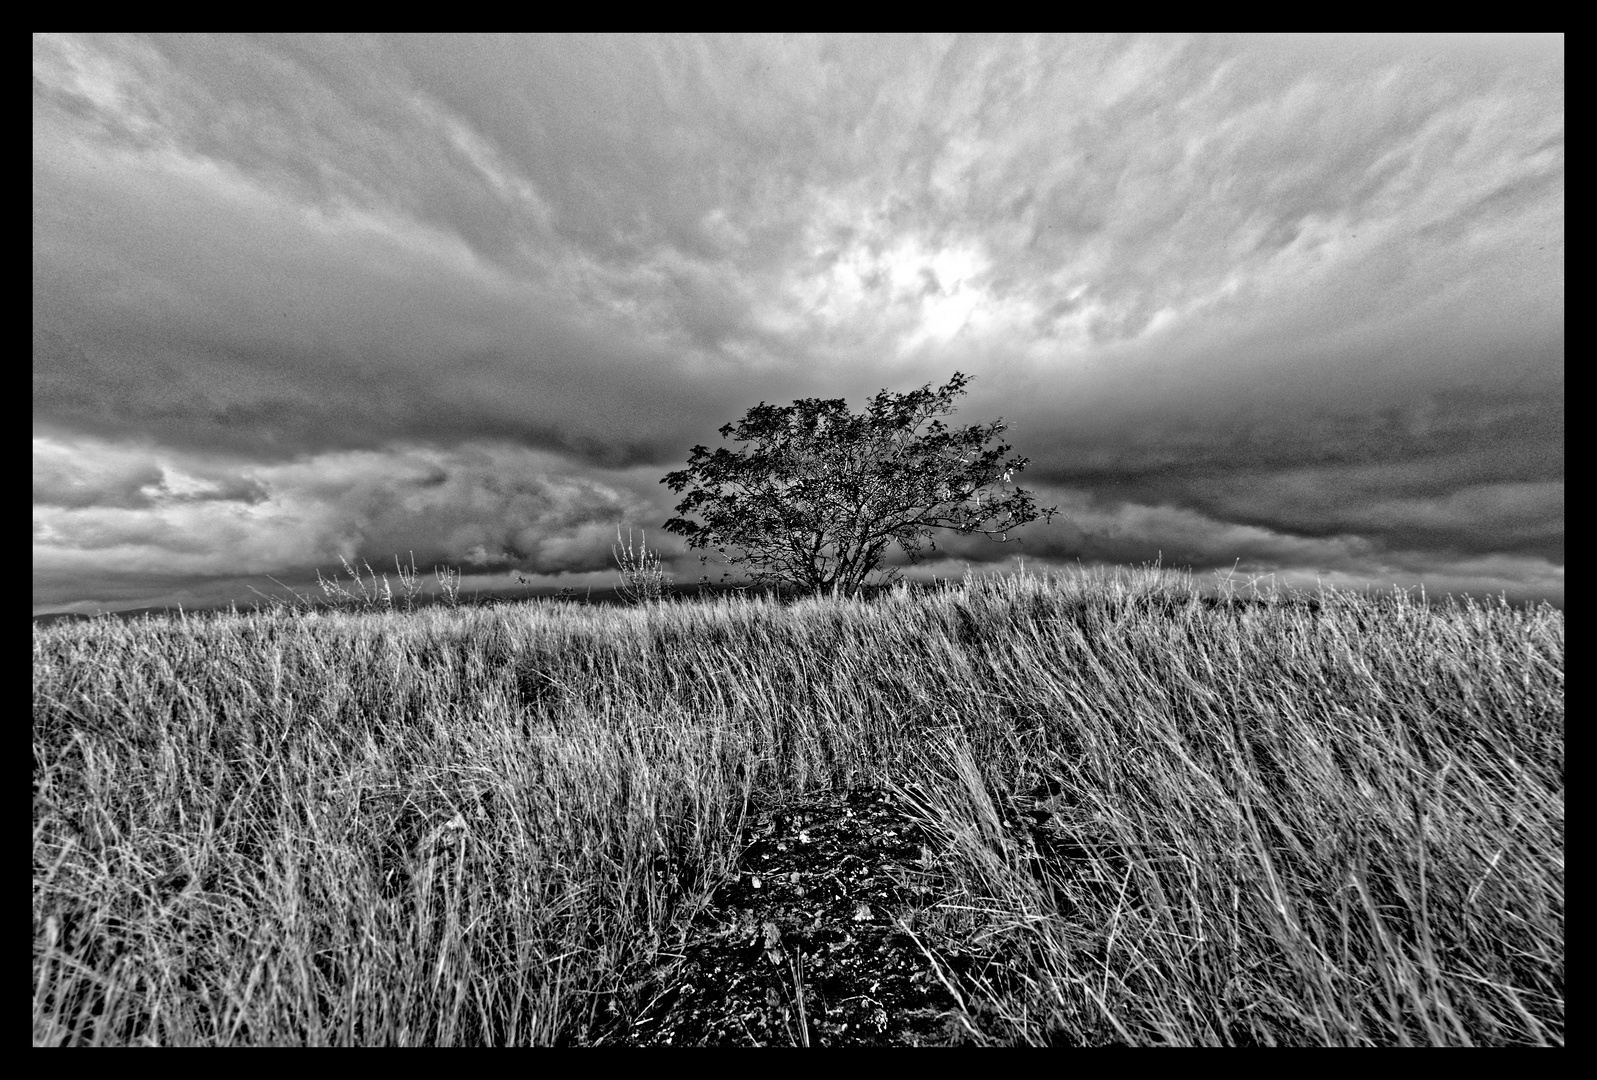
(1288,304)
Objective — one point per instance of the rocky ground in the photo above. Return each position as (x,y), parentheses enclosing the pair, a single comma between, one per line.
(814,942)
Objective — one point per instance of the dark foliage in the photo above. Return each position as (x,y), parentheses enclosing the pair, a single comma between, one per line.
(819,494)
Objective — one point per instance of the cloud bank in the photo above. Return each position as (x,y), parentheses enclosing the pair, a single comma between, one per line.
(1295,301)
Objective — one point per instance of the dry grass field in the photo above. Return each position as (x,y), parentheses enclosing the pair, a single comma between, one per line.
(1097,809)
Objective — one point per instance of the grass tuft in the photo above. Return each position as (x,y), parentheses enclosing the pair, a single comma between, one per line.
(1158,817)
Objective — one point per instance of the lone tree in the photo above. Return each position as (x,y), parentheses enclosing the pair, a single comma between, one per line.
(821,492)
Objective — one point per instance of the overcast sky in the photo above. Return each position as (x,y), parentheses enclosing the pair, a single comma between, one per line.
(1292,305)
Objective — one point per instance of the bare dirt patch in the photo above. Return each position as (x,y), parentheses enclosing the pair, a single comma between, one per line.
(820,913)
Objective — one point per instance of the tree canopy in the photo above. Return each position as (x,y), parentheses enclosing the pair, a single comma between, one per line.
(818,493)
